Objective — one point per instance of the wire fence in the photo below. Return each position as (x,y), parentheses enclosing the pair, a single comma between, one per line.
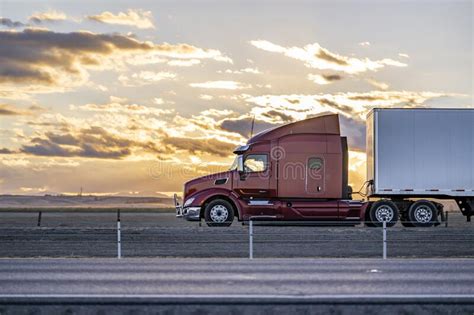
(128,234)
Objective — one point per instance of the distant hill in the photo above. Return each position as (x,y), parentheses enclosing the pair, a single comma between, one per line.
(48,201)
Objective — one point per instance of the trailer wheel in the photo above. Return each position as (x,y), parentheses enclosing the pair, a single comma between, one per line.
(383,209)
(423,213)
(219,212)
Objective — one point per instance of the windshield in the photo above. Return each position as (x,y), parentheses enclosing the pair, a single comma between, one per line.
(234,164)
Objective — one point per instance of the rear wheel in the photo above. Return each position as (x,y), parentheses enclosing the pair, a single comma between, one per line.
(219,212)
(383,210)
(423,213)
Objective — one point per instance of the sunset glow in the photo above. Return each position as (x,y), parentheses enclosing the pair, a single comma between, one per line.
(136,99)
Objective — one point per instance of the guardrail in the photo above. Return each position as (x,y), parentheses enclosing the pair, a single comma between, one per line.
(147,236)
(85,210)
(262,217)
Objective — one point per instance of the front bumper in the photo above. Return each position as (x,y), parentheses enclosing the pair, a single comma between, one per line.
(189,213)
(192,213)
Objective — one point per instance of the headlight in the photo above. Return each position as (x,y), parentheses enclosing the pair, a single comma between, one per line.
(188,202)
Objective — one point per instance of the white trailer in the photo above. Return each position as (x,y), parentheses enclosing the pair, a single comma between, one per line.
(421,153)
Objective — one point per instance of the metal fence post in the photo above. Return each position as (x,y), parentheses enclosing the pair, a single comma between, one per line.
(119,242)
(39,218)
(250,238)
(384,239)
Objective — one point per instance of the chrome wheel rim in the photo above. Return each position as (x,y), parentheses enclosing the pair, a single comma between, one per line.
(423,214)
(384,213)
(219,214)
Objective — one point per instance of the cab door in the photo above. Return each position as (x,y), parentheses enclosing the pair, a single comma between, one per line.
(254,181)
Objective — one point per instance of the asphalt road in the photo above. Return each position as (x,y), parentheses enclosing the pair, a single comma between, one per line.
(258,286)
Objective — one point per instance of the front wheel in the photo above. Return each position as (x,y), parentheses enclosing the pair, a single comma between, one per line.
(383,210)
(219,213)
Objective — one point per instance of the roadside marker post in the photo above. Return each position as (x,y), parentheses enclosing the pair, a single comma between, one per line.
(119,242)
(269,217)
(384,239)
(250,238)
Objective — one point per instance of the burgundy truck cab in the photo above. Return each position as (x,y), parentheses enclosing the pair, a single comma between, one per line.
(295,172)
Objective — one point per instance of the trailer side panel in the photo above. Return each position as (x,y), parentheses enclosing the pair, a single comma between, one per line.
(421,152)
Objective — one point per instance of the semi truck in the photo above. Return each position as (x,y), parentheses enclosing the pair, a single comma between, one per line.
(299,172)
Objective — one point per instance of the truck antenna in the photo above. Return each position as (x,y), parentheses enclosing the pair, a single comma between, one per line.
(251,129)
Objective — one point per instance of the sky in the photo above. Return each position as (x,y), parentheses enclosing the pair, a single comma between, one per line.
(136,97)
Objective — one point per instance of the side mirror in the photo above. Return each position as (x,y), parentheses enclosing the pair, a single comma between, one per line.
(240,167)
(240,163)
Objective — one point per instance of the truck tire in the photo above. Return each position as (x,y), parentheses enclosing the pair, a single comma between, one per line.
(383,208)
(219,212)
(423,213)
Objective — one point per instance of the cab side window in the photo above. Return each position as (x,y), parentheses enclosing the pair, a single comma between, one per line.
(255,163)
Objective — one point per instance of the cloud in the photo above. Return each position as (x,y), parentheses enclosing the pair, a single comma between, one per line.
(354,129)
(226,85)
(158,101)
(200,145)
(206,97)
(379,85)
(9,110)
(120,130)
(9,23)
(115,107)
(6,151)
(317,57)
(137,132)
(136,18)
(186,51)
(93,142)
(357,169)
(241,125)
(350,104)
(48,16)
(403,55)
(183,63)
(42,61)
(364,43)
(241,71)
(44,58)
(324,79)
(145,77)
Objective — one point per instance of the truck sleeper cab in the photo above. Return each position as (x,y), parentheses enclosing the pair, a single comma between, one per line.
(299,172)
(294,172)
